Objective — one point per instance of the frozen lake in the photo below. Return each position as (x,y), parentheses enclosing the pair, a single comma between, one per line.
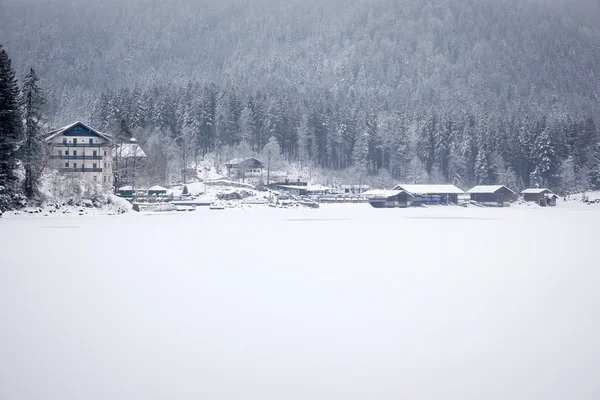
(335,303)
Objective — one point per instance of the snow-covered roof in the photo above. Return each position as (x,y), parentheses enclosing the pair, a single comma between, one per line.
(237,161)
(381,193)
(293,187)
(157,188)
(126,188)
(52,134)
(129,150)
(316,188)
(536,191)
(429,189)
(354,186)
(487,189)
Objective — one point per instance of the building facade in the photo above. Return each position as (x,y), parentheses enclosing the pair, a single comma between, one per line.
(81,152)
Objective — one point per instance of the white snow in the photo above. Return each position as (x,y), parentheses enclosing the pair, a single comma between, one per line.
(341,302)
(373,193)
(535,191)
(429,189)
(157,187)
(486,189)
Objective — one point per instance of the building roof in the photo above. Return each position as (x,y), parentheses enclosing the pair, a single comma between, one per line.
(158,188)
(127,150)
(244,161)
(315,188)
(551,195)
(354,186)
(379,193)
(536,191)
(52,134)
(124,188)
(429,189)
(293,187)
(482,189)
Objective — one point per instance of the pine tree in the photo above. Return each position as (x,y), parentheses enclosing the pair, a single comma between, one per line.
(33,101)
(11,130)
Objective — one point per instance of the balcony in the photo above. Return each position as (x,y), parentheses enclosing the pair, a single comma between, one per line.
(82,144)
(80,170)
(70,157)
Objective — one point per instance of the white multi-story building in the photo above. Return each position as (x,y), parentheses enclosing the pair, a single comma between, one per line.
(82,152)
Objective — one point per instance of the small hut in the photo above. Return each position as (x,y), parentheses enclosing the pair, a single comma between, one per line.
(389,198)
(542,196)
(157,191)
(126,191)
(432,194)
(492,195)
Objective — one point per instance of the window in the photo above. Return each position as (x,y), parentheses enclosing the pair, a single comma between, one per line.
(91,141)
(95,178)
(104,153)
(74,153)
(74,140)
(66,165)
(94,165)
(66,152)
(74,165)
(104,178)
(64,140)
(82,167)
(95,153)
(60,152)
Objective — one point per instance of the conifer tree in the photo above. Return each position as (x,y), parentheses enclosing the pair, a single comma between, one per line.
(10,131)
(32,102)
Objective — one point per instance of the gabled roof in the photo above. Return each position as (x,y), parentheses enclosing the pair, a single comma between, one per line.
(379,193)
(536,191)
(127,150)
(246,161)
(52,134)
(429,189)
(125,188)
(481,189)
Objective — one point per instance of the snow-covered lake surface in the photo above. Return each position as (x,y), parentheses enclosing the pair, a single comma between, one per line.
(343,302)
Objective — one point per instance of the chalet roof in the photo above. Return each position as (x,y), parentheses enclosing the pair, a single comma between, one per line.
(125,188)
(482,189)
(380,193)
(536,191)
(551,196)
(429,189)
(158,188)
(128,150)
(238,161)
(52,134)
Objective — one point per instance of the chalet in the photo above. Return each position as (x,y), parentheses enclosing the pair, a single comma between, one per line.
(389,198)
(492,195)
(542,196)
(81,152)
(129,157)
(432,194)
(245,167)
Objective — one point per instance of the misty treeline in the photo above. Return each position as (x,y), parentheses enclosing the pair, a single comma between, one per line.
(534,56)
(320,130)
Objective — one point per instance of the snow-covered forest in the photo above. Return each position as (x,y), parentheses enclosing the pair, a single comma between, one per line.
(462,91)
